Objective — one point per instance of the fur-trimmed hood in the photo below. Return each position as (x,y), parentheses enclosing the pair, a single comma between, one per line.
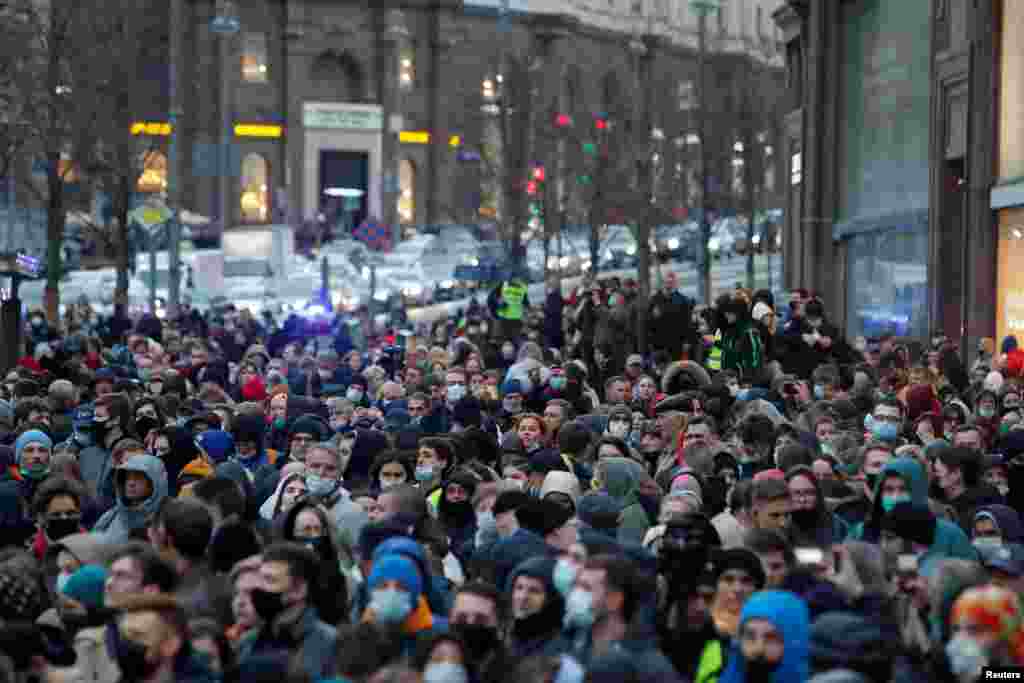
(684,376)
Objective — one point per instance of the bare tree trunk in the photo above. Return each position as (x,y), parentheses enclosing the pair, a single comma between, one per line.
(124,193)
(55,217)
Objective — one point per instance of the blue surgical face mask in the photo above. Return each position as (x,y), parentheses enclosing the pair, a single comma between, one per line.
(424,472)
(62,581)
(884,431)
(354,395)
(320,486)
(819,392)
(390,606)
(564,576)
(456,393)
(557,383)
(445,672)
(889,502)
(579,609)
(966,657)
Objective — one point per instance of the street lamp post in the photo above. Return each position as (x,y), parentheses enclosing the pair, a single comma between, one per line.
(225,25)
(703,8)
(174,162)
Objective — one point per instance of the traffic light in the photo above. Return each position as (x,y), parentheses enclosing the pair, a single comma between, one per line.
(538,174)
(601,122)
(585,179)
(531,188)
(563,120)
(589,148)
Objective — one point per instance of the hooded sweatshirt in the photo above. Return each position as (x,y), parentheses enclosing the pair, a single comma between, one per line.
(537,634)
(950,539)
(127,516)
(622,482)
(561,482)
(790,616)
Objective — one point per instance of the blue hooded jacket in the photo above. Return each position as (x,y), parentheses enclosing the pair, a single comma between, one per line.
(950,539)
(790,616)
(118,523)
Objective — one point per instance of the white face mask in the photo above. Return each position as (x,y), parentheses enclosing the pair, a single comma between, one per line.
(618,428)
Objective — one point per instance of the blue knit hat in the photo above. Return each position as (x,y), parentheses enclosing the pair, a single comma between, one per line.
(512,386)
(86,586)
(219,445)
(397,568)
(31,436)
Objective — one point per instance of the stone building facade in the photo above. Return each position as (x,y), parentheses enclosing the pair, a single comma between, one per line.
(313,96)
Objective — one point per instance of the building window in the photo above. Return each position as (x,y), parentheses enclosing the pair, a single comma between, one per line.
(154,173)
(254,58)
(796,173)
(686,95)
(255,202)
(407,69)
(406,192)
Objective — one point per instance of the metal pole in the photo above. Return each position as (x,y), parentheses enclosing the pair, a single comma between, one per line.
(225,125)
(704,254)
(174,164)
(152,274)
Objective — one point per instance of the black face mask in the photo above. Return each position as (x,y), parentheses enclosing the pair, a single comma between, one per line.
(267,604)
(144,424)
(759,670)
(57,529)
(131,658)
(804,519)
(480,639)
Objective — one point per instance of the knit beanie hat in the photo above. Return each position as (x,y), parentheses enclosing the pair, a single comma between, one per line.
(912,522)
(543,516)
(397,568)
(86,586)
(219,445)
(742,559)
(254,389)
(508,501)
(31,436)
(20,597)
(512,386)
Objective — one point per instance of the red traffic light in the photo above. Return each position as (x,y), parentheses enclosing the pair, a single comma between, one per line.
(531,187)
(563,120)
(538,174)
(600,124)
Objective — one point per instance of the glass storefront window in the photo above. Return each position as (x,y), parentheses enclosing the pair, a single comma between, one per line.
(254,58)
(888,276)
(407,192)
(255,200)
(154,173)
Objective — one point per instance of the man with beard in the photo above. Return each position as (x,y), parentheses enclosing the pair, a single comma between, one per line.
(772,642)
(537,610)
(476,616)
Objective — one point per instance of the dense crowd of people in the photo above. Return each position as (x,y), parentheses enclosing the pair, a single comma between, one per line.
(518,493)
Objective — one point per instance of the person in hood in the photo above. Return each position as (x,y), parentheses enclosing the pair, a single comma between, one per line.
(251,454)
(851,642)
(290,487)
(772,645)
(562,488)
(537,609)
(998,524)
(740,342)
(141,486)
(456,512)
(620,478)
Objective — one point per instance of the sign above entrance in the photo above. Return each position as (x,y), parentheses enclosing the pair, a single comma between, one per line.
(340,116)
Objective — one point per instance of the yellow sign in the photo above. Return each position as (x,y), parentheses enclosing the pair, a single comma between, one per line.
(454,141)
(151,128)
(414,137)
(258,130)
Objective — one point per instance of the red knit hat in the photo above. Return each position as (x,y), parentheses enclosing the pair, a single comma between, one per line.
(254,390)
